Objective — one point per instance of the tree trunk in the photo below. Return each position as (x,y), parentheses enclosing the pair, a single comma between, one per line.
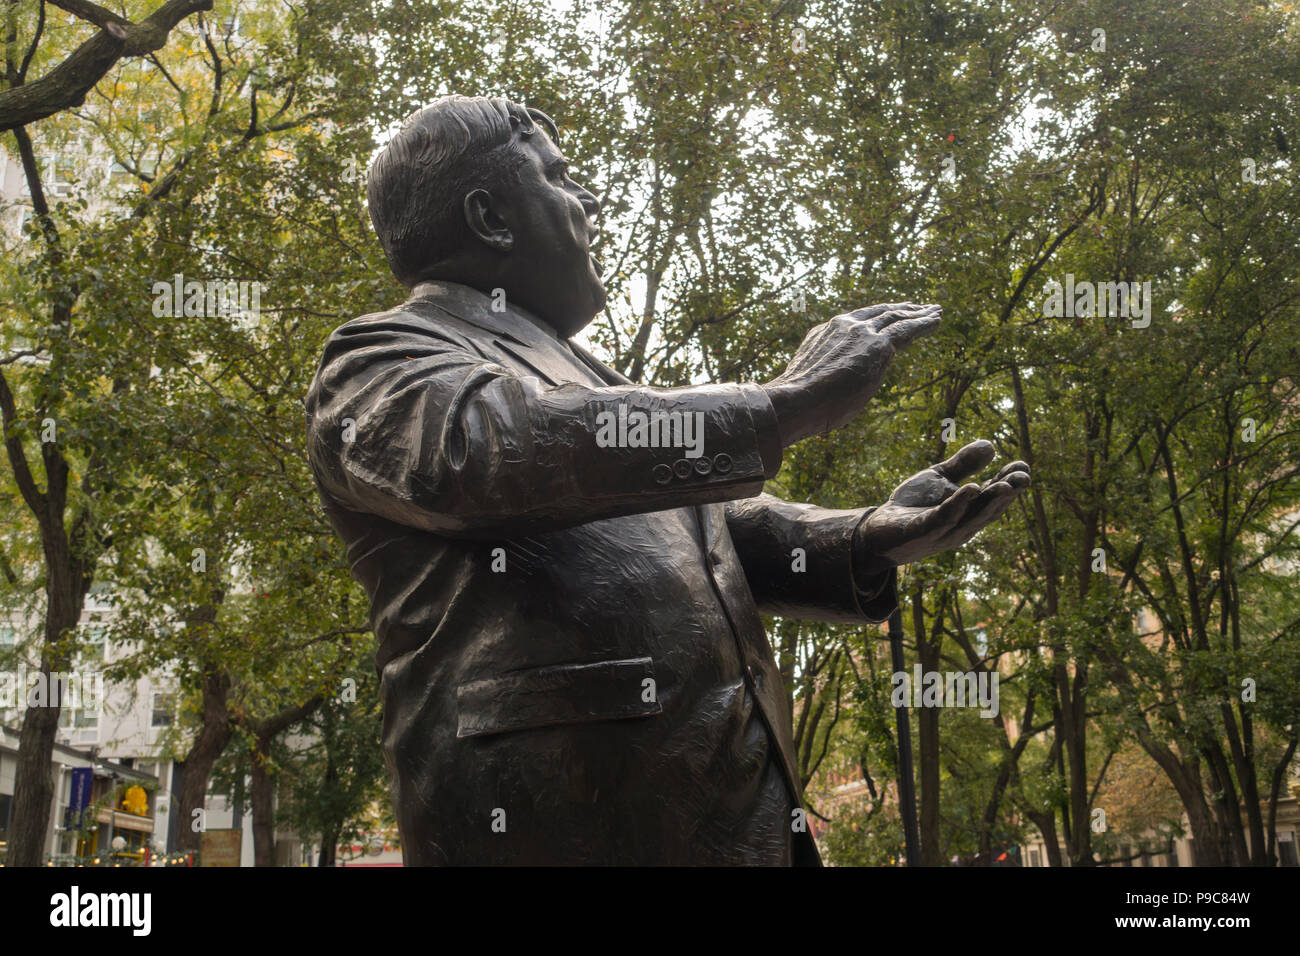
(329,837)
(1227,808)
(263,804)
(1073,729)
(33,785)
(329,845)
(1206,848)
(1046,823)
(263,788)
(65,591)
(1279,772)
(208,747)
(927,724)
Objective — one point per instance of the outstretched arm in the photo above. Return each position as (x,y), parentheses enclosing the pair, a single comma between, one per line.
(413,424)
(803,562)
(820,564)
(417,427)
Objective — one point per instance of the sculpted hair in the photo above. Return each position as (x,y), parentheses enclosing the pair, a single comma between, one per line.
(417,184)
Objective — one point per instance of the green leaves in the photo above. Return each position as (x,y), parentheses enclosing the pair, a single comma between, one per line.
(959,154)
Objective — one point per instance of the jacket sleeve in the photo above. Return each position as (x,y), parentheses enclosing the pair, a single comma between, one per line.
(825,580)
(422,430)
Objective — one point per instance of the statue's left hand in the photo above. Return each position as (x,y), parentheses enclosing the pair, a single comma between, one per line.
(929,513)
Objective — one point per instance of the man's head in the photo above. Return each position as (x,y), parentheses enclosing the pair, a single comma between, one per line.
(474,190)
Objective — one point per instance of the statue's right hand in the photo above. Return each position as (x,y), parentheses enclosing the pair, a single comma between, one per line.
(840,365)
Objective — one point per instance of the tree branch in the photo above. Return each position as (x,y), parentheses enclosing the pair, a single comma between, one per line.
(66,86)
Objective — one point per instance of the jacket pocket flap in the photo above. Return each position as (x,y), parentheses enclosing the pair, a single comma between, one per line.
(558,694)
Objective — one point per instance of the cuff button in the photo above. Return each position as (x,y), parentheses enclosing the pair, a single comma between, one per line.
(703,466)
(722,463)
(682,468)
(663,474)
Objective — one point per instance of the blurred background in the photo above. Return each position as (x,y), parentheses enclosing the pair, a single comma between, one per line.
(183,222)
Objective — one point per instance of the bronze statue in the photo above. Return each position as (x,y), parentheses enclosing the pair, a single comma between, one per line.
(566,569)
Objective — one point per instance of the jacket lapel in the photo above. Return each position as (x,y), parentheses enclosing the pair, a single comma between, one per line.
(608,375)
(550,367)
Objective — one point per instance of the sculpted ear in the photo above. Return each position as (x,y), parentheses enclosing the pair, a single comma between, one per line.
(484,221)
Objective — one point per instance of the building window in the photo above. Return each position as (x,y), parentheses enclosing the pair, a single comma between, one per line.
(59,177)
(119,175)
(1033,858)
(79,718)
(163,706)
(95,641)
(1286,849)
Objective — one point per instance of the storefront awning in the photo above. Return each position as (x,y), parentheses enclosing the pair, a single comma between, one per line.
(125,821)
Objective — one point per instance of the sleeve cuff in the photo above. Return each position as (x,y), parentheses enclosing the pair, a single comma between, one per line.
(763,417)
(875,581)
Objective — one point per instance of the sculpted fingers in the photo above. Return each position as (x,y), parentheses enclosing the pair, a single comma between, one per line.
(991,502)
(950,514)
(967,461)
(903,334)
(903,312)
(1017,479)
(872,313)
(1015,474)
(840,365)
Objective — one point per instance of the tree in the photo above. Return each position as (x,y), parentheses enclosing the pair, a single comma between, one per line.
(330,785)
(65,85)
(93,403)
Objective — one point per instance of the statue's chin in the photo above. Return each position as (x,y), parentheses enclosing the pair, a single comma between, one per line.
(578,312)
(573,327)
(597,301)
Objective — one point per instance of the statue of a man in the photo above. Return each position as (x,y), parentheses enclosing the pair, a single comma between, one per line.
(566,569)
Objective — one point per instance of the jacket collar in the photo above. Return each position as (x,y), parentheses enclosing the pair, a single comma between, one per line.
(475,307)
(516,331)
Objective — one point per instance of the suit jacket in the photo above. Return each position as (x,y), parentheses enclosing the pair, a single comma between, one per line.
(574,669)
